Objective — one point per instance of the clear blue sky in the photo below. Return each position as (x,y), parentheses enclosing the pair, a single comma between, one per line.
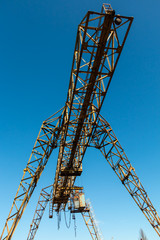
(37,40)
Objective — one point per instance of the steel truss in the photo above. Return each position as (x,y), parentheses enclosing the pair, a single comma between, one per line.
(91,223)
(47,140)
(43,200)
(106,141)
(100,40)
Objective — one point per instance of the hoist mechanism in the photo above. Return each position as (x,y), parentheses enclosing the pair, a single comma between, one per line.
(76,204)
(99,43)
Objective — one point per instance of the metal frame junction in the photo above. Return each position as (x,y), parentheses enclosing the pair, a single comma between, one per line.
(99,43)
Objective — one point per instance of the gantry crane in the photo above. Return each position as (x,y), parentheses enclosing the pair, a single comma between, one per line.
(99,43)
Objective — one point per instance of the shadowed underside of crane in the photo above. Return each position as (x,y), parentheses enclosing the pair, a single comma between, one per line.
(100,40)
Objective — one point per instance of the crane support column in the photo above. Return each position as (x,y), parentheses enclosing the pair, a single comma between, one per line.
(43,200)
(106,141)
(47,140)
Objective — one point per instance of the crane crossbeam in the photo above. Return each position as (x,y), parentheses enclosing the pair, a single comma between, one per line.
(98,47)
(43,200)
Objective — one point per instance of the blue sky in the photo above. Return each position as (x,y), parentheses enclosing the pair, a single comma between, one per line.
(36,50)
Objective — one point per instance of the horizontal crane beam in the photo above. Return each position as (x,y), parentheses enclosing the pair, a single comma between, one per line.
(98,47)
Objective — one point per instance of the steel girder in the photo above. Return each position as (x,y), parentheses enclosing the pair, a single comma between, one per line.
(98,47)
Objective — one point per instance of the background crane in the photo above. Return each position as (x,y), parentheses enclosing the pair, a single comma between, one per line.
(76,126)
(86,211)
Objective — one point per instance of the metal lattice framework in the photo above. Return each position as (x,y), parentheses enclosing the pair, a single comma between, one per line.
(91,223)
(98,47)
(105,140)
(99,43)
(43,200)
(47,140)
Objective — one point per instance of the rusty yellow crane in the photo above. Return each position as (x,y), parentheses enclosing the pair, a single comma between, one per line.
(100,39)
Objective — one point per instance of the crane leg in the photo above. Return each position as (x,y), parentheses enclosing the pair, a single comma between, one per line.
(106,141)
(47,140)
(44,198)
(91,223)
